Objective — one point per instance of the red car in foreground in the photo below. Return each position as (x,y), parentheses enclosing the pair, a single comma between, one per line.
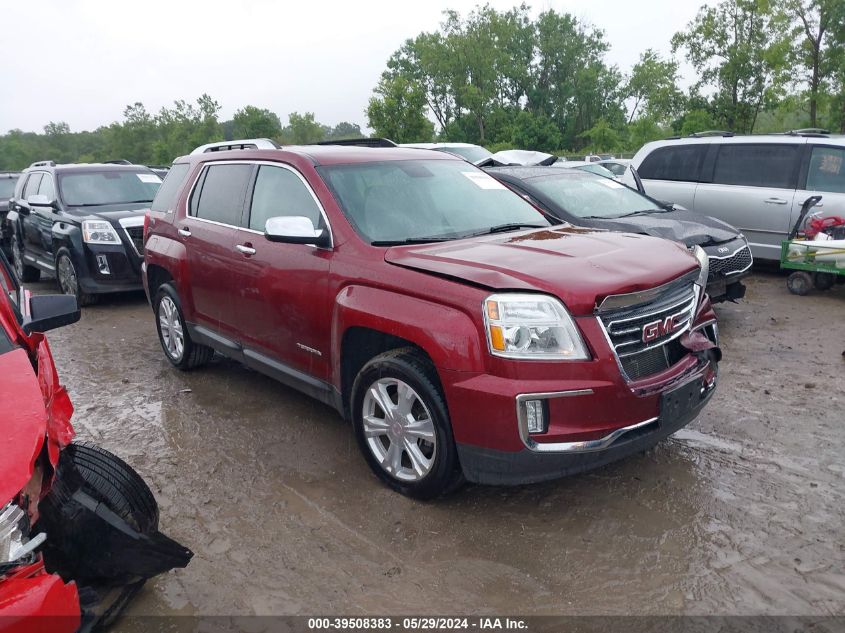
(78,527)
(461,333)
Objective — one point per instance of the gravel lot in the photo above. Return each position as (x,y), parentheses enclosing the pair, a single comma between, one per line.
(740,513)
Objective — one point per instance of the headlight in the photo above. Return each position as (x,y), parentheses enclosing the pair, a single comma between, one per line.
(531,327)
(99,232)
(704,263)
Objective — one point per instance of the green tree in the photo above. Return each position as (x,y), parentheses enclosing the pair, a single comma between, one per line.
(696,121)
(303,129)
(397,111)
(653,88)
(602,137)
(344,130)
(253,122)
(642,131)
(535,132)
(741,49)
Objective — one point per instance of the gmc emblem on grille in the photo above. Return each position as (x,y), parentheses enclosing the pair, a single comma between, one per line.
(662,327)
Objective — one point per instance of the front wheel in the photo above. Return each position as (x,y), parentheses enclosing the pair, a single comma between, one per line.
(68,279)
(173,334)
(402,425)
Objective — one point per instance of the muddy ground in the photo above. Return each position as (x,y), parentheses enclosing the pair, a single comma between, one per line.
(740,513)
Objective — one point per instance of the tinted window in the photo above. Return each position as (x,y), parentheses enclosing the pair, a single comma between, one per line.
(46,187)
(97,188)
(677,162)
(763,165)
(425,199)
(220,198)
(827,170)
(31,187)
(165,200)
(280,192)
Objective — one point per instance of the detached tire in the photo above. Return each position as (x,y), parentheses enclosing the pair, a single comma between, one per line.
(799,283)
(173,334)
(402,425)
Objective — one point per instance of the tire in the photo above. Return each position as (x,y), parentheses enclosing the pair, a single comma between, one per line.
(171,327)
(434,469)
(109,478)
(67,279)
(799,283)
(823,281)
(26,273)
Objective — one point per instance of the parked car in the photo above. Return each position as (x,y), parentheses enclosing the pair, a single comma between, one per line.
(78,527)
(82,223)
(592,168)
(616,166)
(467,151)
(584,199)
(7,189)
(594,158)
(461,333)
(755,183)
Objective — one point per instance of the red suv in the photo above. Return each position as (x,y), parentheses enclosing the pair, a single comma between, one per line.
(461,333)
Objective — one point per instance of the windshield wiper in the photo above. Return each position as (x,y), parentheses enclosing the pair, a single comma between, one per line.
(513,226)
(644,211)
(411,240)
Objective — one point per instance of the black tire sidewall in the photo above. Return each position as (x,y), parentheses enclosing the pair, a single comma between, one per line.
(167,290)
(443,473)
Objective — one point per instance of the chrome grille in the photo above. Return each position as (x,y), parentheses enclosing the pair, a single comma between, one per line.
(642,335)
(739,262)
(136,236)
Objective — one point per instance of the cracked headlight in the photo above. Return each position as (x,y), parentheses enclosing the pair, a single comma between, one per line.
(13,543)
(530,326)
(99,232)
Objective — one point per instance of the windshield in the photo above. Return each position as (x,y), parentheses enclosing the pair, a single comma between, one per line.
(592,196)
(598,170)
(472,153)
(7,187)
(618,169)
(85,189)
(424,200)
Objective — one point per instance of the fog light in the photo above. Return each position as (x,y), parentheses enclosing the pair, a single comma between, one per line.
(535,416)
(103,265)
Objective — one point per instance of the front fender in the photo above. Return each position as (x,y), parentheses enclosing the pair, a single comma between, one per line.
(448,335)
(172,256)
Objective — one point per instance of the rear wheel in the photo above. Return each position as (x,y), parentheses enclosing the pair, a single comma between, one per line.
(402,425)
(25,273)
(68,279)
(173,334)
(799,283)
(824,281)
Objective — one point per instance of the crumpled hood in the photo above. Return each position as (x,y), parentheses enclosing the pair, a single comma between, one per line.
(580,266)
(680,225)
(23,423)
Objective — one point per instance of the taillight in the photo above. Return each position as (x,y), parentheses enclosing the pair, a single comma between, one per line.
(146,225)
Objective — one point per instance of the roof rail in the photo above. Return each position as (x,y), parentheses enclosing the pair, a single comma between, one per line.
(809,131)
(361,142)
(44,163)
(247,143)
(118,161)
(710,133)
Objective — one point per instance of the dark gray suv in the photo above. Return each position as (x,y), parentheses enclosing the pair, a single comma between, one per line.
(7,190)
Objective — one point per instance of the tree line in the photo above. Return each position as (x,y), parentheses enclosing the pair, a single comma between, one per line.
(504,79)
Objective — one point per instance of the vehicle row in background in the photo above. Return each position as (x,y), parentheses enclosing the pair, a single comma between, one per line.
(82,223)
(8,179)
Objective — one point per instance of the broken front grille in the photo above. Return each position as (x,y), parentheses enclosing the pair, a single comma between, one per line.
(644,335)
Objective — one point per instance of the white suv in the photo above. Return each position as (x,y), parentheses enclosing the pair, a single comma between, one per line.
(755,183)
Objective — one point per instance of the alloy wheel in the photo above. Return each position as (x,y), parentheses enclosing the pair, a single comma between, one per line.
(170,326)
(17,258)
(399,429)
(67,276)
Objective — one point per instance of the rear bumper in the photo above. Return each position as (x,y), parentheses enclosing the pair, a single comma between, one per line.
(542,462)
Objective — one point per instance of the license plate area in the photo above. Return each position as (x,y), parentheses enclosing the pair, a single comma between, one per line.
(679,401)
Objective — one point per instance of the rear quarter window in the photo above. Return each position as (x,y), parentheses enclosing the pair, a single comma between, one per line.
(675,162)
(168,193)
(827,170)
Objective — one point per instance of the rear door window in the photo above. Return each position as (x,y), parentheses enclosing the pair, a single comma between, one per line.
(165,200)
(219,195)
(827,170)
(280,192)
(675,162)
(758,165)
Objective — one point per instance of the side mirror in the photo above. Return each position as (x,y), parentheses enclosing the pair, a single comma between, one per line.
(637,179)
(295,229)
(40,200)
(48,312)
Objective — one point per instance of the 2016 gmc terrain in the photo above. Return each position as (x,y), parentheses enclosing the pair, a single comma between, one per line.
(462,335)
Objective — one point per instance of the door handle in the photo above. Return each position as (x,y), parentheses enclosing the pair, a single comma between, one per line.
(185,232)
(775,201)
(245,249)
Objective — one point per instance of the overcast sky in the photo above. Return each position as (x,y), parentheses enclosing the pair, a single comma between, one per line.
(83,61)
